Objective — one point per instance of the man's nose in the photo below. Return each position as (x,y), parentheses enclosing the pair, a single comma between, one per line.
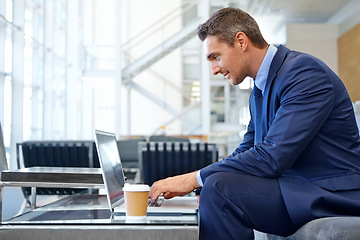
(215,69)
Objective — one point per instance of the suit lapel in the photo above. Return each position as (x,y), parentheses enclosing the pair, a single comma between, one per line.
(277,62)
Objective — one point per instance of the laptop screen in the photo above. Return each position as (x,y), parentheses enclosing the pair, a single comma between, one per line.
(110,163)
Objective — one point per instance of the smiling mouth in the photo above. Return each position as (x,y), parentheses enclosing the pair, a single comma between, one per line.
(226,74)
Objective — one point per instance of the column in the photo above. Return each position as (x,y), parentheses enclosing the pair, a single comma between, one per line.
(17,80)
(72,111)
(204,9)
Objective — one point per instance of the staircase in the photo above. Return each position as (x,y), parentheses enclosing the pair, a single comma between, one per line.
(157,53)
(161,50)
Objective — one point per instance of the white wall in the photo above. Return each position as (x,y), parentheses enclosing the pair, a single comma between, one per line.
(319,40)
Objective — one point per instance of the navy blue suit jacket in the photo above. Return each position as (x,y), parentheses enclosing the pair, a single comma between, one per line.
(307,131)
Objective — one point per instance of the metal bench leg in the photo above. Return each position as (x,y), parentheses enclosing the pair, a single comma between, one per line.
(1,197)
(33,198)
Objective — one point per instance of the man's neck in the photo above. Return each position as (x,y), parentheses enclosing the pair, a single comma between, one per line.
(258,55)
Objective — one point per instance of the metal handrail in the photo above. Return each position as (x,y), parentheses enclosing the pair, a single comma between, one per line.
(182,113)
(170,14)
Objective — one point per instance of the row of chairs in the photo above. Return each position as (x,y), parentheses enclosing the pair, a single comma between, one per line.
(149,161)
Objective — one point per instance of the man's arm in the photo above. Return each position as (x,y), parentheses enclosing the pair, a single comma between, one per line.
(174,186)
(248,141)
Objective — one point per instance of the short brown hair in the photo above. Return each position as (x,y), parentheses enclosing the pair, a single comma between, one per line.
(227,22)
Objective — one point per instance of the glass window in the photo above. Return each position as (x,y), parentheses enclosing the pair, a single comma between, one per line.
(6,95)
(7,110)
(58,99)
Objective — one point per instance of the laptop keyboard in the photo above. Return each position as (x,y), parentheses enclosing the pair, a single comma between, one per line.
(158,202)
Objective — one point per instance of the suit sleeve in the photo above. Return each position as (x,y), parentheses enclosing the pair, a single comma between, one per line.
(305,96)
(248,141)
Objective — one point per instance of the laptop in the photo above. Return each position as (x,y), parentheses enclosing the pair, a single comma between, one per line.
(114,181)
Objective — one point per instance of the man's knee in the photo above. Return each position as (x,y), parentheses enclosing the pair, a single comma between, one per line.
(229,184)
(222,183)
(213,182)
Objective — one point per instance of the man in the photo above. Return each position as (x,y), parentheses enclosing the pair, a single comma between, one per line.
(300,158)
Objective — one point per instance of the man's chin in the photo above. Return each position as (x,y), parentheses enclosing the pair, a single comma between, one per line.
(234,82)
(231,81)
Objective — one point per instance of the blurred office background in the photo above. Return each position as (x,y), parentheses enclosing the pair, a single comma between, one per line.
(136,67)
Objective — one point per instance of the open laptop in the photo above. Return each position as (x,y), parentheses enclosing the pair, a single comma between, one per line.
(114,181)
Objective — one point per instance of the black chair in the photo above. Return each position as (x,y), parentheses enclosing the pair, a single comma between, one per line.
(159,160)
(56,154)
(128,150)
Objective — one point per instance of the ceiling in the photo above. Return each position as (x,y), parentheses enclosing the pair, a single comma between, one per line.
(273,15)
(296,10)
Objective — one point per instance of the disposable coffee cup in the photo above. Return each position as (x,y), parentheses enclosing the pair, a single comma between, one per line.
(136,201)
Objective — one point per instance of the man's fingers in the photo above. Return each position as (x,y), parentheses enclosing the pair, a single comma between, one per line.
(155,191)
(169,195)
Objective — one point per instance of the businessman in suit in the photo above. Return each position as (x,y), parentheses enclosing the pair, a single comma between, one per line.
(300,157)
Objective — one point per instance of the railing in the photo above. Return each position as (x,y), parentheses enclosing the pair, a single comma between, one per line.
(157,27)
(95,53)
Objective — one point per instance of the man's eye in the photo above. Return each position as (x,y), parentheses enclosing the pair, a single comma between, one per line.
(216,57)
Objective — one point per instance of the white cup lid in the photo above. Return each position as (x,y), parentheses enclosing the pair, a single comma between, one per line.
(136,187)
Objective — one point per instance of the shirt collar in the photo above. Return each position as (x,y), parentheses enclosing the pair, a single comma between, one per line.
(263,72)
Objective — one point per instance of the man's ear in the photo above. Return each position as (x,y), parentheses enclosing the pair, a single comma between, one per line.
(241,39)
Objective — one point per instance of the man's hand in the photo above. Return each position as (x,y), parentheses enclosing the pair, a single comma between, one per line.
(174,186)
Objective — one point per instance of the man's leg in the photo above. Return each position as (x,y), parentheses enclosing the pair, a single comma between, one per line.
(232,205)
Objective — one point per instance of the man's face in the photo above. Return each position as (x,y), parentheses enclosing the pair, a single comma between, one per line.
(226,60)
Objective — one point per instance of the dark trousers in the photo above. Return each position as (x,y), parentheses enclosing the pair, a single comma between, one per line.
(232,205)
